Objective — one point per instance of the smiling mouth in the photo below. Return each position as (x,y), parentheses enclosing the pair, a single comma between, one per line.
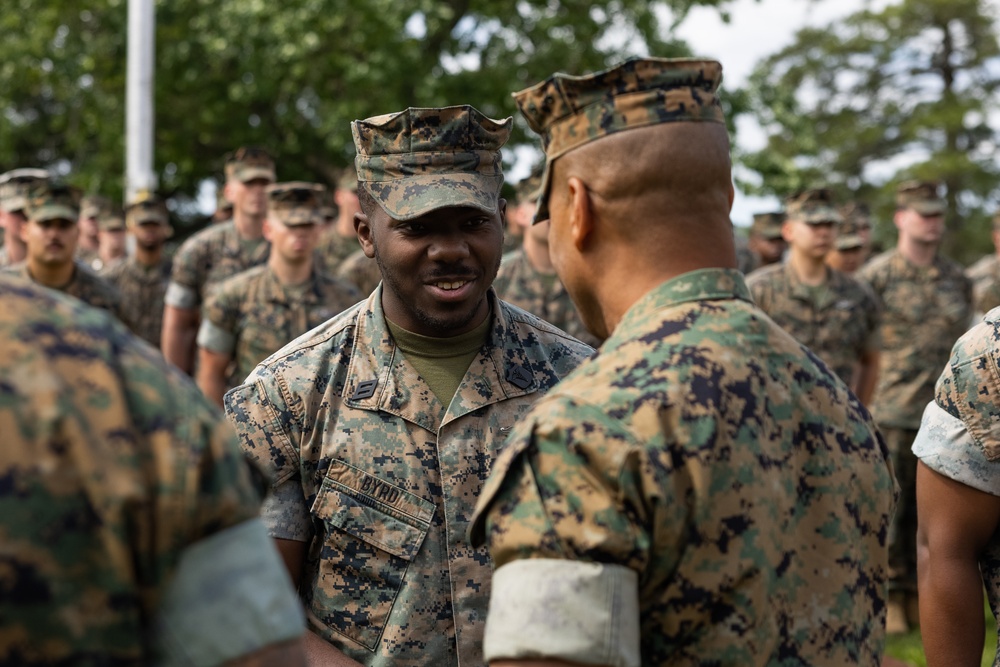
(450,286)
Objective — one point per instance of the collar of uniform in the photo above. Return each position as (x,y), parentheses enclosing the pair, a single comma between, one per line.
(918,273)
(232,244)
(274,292)
(701,285)
(500,371)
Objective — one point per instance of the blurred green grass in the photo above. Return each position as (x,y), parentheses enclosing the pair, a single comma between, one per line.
(910,650)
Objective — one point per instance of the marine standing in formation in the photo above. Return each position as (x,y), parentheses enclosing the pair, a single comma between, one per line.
(255,313)
(50,234)
(378,429)
(216,253)
(850,249)
(142,278)
(703,487)
(926,303)
(14,188)
(832,314)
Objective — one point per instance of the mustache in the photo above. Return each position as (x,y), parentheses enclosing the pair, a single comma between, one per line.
(457,272)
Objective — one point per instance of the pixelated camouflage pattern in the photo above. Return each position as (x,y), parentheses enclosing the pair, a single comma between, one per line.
(520,284)
(48,200)
(361,271)
(570,111)
(924,311)
(985,277)
(839,325)
(248,163)
(85,286)
(294,203)
(111,219)
(707,450)
(813,206)
(333,249)
(91,206)
(112,465)
(969,386)
(149,209)
(848,235)
(212,255)
(419,160)
(390,475)
(15,186)
(922,196)
(747,260)
(142,290)
(767,225)
(263,317)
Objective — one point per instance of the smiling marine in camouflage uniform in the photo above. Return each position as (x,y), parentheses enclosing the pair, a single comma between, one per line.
(380,427)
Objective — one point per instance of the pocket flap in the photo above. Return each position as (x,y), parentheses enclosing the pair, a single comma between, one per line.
(373,510)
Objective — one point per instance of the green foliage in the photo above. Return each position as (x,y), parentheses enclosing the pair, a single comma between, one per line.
(905,92)
(287,75)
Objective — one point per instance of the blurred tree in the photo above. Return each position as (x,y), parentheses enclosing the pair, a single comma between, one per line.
(287,75)
(906,92)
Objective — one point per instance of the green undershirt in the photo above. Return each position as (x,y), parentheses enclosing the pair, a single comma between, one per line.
(441,362)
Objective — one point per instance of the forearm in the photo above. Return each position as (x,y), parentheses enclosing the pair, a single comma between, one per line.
(951,610)
(212,385)
(320,652)
(180,327)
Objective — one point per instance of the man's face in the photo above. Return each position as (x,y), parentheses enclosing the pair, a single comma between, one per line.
(770,250)
(113,242)
(50,242)
(293,244)
(150,235)
(810,240)
(436,269)
(927,229)
(12,222)
(88,227)
(248,197)
(847,260)
(521,216)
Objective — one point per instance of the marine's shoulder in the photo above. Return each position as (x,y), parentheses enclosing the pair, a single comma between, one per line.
(880,264)
(542,338)
(772,274)
(331,343)
(207,238)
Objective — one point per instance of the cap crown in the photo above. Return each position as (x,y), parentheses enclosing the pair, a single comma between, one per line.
(813,206)
(295,202)
(249,163)
(421,159)
(48,200)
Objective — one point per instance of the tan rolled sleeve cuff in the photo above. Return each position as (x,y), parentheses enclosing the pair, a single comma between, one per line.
(180,296)
(586,613)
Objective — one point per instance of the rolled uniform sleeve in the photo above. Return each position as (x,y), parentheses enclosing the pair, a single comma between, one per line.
(180,296)
(565,520)
(945,445)
(186,276)
(217,331)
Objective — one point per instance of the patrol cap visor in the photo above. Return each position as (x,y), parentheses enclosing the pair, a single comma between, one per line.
(53,212)
(929,207)
(14,203)
(250,173)
(411,197)
(848,242)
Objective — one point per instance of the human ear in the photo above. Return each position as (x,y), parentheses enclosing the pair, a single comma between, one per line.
(581,213)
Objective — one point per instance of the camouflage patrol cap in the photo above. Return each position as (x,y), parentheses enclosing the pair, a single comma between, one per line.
(249,163)
(111,219)
(48,200)
(529,188)
(848,236)
(91,206)
(813,207)
(327,206)
(15,186)
(294,203)
(420,160)
(767,225)
(922,196)
(147,208)
(570,111)
(221,203)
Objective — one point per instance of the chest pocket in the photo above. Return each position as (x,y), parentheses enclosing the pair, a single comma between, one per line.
(372,531)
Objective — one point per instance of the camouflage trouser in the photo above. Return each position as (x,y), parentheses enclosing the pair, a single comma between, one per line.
(903,532)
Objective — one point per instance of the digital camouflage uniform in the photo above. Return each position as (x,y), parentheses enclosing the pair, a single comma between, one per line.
(985,277)
(703,491)
(15,186)
(520,284)
(92,206)
(142,289)
(361,271)
(924,311)
(839,326)
(219,252)
(839,321)
(333,249)
(113,465)
(85,286)
(388,476)
(370,469)
(251,315)
(959,437)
